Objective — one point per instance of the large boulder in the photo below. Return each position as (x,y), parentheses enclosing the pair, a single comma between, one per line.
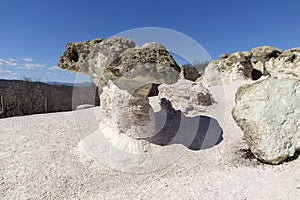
(189,72)
(268,112)
(192,99)
(228,69)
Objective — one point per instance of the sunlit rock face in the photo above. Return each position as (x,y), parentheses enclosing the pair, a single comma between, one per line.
(126,72)
(253,64)
(287,64)
(191,98)
(268,112)
(228,69)
(273,62)
(92,57)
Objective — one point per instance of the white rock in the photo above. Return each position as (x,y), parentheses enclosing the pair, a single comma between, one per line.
(189,97)
(268,112)
(118,112)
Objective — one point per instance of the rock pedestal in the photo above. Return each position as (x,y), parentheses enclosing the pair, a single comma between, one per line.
(131,114)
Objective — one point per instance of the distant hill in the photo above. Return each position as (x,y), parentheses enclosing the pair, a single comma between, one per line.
(70,84)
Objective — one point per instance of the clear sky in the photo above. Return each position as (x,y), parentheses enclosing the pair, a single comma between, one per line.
(33,33)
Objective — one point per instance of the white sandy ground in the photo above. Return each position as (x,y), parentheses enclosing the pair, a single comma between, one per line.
(40,159)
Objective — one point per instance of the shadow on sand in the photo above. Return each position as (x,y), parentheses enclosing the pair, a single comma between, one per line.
(195,133)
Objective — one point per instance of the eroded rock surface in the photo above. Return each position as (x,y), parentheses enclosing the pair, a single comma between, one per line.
(258,62)
(93,56)
(287,64)
(192,99)
(126,73)
(228,68)
(189,73)
(265,53)
(268,112)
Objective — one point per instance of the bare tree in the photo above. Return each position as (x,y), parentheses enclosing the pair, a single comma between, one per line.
(2,106)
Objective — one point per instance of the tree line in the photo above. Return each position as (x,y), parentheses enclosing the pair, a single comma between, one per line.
(19,98)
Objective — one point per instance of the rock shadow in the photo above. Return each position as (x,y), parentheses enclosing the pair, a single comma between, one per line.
(195,133)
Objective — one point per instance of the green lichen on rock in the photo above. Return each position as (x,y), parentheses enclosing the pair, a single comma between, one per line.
(146,61)
(117,57)
(74,57)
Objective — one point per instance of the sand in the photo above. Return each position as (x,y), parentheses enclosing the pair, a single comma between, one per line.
(40,159)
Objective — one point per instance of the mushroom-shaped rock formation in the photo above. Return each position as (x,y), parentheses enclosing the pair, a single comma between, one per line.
(263,54)
(126,74)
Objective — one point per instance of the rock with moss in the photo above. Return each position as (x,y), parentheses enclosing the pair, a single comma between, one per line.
(93,56)
(150,63)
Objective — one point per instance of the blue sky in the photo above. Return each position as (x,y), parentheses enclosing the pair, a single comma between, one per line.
(33,33)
